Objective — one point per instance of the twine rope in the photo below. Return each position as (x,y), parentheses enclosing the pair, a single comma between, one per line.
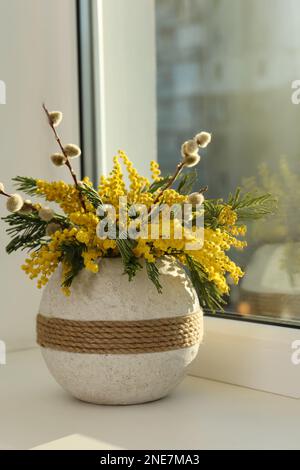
(119,337)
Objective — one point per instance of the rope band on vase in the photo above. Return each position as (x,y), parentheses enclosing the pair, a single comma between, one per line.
(119,337)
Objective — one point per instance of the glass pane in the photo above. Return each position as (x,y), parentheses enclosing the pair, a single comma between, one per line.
(227,66)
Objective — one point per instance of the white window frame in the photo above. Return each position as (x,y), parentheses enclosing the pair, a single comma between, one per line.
(249,354)
(118,81)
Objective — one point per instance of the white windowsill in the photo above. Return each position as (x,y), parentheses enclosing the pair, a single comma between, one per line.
(249,355)
(200,414)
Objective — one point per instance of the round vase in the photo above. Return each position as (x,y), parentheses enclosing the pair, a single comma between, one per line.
(121,377)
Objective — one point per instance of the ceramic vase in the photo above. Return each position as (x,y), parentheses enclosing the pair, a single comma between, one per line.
(120,378)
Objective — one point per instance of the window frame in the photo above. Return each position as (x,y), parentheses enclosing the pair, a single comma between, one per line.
(235,350)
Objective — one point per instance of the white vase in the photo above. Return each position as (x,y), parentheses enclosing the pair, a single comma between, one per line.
(109,296)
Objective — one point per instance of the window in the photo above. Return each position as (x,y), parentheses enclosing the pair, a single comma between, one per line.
(228,66)
(157,71)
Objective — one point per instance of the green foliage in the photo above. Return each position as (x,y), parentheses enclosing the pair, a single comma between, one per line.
(186,182)
(27,231)
(72,255)
(26,184)
(209,295)
(130,261)
(283,182)
(159,184)
(252,205)
(153,274)
(212,211)
(91,194)
(63,221)
(248,206)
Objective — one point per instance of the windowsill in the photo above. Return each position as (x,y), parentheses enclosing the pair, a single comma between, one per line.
(249,355)
(200,414)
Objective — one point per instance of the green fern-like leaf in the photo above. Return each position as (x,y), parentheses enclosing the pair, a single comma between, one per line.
(27,231)
(91,194)
(130,261)
(186,182)
(153,274)
(72,255)
(252,206)
(26,184)
(159,184)
(209,295)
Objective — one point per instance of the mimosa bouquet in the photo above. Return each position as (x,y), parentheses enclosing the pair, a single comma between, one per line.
(141,223)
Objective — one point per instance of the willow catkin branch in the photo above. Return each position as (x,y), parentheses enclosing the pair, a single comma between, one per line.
(3,193)
(170,182)
(68,164)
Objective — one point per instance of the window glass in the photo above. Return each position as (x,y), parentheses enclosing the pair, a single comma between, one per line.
(229,67)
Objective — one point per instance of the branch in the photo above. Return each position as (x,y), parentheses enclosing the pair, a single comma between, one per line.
(3,193)
(68,163)
(170,182)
